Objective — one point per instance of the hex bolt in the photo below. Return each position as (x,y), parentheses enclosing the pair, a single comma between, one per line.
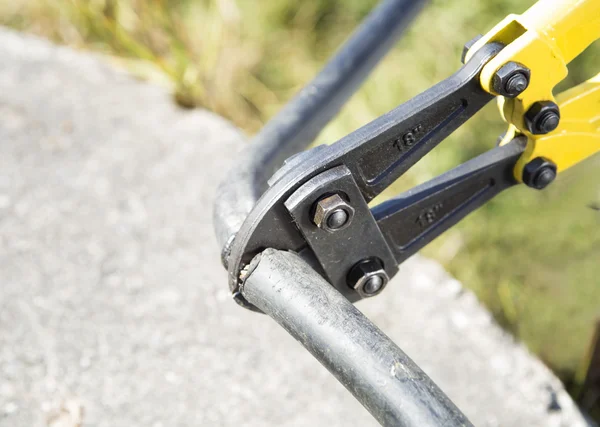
(539,173)
(542,117)
(368,277)
(517,84)
(544,178)
(511,79)
(548,122)
(333,213)
(373,285)
(337,219)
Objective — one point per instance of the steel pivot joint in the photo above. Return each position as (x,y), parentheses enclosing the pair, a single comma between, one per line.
(318,206)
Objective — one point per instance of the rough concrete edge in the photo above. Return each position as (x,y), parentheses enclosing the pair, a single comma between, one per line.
(30,46)
(483,323)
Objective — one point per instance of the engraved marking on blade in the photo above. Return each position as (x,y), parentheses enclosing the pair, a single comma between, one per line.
(389,167)
(429,216)
(407,140)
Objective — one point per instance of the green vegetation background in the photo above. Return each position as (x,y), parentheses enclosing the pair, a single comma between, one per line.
(531,257)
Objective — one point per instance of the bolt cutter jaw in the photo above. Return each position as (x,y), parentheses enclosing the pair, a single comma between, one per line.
(359,167)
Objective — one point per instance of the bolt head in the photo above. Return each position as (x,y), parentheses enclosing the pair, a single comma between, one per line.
(549,121)
(511,79)
(544,178)
(516,84)
(543,117)
(539,173)
(368,277)
(373,285)
(333,213)
(337,219)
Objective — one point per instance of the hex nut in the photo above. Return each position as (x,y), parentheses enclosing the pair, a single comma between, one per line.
(542,117)
(511,79)
(361,275)
(333,213)
(539,173)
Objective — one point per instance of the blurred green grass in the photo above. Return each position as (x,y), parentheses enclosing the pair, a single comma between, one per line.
(530,256)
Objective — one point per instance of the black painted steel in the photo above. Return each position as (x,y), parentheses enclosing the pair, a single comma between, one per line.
(539,173)
(337,252)
(414,219)
(301,120)
(376,154)
(378,373)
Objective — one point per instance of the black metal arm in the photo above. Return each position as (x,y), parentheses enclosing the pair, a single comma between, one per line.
(376,155)
(303,118)
(412,220)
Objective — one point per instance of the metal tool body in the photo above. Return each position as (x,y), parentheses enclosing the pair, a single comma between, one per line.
(362,165)
(317,203)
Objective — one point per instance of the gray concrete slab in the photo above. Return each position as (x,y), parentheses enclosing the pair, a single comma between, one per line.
(114,309)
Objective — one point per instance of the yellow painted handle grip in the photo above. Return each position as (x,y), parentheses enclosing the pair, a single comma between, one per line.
(570,25)
(545,39)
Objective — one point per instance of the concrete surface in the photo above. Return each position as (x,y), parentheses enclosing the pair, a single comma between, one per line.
(114,309)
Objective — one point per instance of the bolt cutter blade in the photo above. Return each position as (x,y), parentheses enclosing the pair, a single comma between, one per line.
(375,155)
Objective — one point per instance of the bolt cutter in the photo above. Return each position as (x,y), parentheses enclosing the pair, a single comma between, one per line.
(317,203)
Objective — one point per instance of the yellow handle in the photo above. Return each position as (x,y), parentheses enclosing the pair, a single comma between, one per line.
(578,135)
(571,25)
(545,39)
